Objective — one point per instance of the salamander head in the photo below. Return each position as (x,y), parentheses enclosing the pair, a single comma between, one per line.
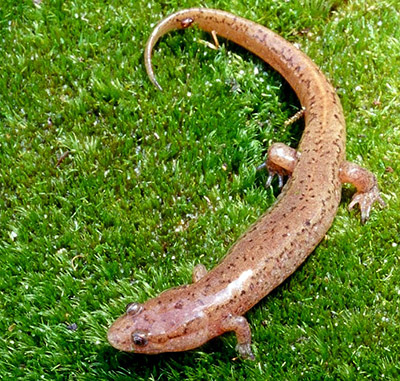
(162,324)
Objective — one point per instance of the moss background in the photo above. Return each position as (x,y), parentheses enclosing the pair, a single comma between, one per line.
(111,191)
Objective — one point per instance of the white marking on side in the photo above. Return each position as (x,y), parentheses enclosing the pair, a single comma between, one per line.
(233,287)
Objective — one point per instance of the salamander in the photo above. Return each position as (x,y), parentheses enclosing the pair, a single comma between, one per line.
(188,316)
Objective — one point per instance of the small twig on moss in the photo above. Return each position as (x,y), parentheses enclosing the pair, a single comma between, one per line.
(62,157)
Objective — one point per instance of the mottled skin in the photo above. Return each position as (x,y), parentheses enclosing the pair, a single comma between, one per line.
(274,247)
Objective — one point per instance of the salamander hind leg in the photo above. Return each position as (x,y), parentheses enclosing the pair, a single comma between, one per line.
(367,187)
(281,161)
(241,327)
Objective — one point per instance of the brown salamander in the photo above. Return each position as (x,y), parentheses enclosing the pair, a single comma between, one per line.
(186,317)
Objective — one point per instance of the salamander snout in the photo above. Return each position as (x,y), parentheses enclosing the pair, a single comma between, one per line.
(123,334)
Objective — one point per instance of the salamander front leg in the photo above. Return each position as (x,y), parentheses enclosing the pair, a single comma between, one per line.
(367,187)
(281,161)
(241,327)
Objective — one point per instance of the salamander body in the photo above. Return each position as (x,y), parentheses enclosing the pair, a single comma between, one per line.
(274,247)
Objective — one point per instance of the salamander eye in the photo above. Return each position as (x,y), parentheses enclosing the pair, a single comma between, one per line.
(133,309)
(139,339)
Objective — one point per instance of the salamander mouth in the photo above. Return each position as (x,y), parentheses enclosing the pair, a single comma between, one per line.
(119,340)
(124,343)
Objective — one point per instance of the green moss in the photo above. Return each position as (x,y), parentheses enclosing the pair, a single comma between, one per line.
(154,183)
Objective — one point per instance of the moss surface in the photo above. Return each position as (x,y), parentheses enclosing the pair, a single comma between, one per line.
(111,191)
